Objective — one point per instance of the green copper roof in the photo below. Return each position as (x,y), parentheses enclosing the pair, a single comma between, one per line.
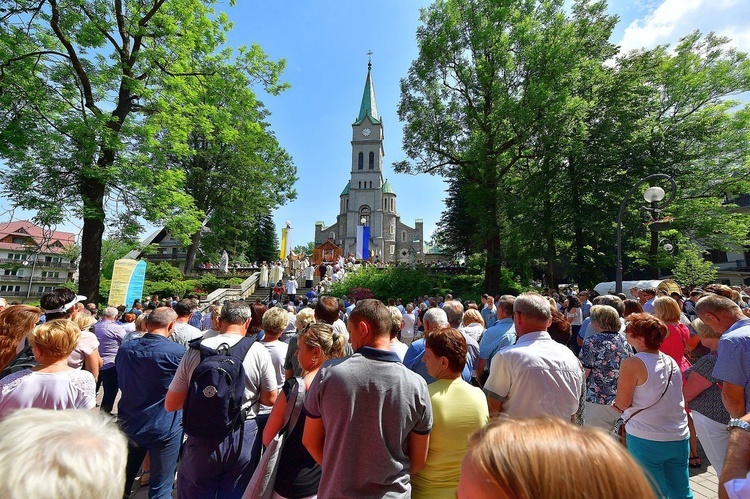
(345,192)
(368,108)
(387,189)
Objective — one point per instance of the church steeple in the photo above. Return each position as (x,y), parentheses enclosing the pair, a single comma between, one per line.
(368,108)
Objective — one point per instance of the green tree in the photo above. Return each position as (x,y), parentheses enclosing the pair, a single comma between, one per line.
(692,269)
(93,96)
(307,249)
(491,90)
(235,161)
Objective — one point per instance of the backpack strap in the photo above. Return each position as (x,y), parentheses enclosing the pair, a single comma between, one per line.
(242,347)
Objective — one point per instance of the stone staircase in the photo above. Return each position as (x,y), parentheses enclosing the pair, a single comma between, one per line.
(264,294)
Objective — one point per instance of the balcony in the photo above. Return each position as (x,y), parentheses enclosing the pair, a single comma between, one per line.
(166,256)
(6,294)
(25,278)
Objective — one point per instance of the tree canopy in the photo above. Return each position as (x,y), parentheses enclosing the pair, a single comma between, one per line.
(97,99)
(541,127)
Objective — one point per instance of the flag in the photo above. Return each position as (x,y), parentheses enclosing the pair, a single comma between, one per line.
(286,242)
(363,239)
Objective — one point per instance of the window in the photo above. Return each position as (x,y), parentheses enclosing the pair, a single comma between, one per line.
(49,273)
(717,256)
(403,236)
(371,162)
(45,289)
(19,240)
(360,184)
(11,288)
(360,161)
(370,184)
(10,272)
(16,256)
(364,212)
(347,204)
(392,249)
(393,226)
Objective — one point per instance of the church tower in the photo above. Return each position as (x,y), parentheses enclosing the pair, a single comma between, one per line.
(367,197)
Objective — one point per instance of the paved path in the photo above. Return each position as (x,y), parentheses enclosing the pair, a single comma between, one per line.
(703,480)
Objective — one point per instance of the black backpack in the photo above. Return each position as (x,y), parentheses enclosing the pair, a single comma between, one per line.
(213,406)
(23,360)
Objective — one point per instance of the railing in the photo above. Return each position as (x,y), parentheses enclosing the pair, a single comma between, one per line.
(39,263)
(20,293)
(166,256)
(25,278)
(240,292)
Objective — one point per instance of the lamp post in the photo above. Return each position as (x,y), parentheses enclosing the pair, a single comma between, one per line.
(653,196)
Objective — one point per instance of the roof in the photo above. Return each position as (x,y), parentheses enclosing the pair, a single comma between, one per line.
(368,108)
(346,189)
(387,189)
(50,241)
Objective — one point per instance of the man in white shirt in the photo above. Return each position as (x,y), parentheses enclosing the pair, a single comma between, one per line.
(184,333)
(537,376)
(291,288)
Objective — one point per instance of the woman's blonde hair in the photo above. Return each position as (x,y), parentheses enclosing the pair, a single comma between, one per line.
(84,321)
(667,309)
(215,317)
(547,457)
(56,339)
(605,317)
(321,335)
(703,330)
(274,321)
(471,316)
(304,317)
(140,321)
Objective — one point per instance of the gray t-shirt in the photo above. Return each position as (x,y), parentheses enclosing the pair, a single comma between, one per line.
(259,372)
(369,404)
(184,333)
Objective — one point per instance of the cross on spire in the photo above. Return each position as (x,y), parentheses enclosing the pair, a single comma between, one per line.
(369,59)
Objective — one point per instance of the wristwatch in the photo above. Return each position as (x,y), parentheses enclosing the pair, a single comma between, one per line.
(738,423)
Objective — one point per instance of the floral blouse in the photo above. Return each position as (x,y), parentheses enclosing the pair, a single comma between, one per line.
(602,353)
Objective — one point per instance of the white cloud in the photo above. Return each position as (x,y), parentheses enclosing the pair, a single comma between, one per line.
(673,19)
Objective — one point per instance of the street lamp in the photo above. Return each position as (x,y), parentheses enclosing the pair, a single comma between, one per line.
(653,195)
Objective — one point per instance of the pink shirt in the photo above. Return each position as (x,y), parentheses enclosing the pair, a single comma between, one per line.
(72,389)
(86,345)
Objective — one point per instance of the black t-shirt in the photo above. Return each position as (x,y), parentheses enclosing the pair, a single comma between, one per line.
(298,474)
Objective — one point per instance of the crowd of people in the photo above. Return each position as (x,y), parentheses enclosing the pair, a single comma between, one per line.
(535,395)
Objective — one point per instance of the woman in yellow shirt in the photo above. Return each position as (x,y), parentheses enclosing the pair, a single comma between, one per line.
(458,409)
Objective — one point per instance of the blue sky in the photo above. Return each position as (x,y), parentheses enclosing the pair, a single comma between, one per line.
(325,43)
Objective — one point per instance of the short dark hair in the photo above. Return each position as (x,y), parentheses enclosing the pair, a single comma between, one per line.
(505,303)
(327,309)
(632,307)
(56,299)
(649,291)
(184,307)
(448,343)
(375,314)
(649,327)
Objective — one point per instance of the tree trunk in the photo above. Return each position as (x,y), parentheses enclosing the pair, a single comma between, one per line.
(493,265)
(195,241)
(89,271)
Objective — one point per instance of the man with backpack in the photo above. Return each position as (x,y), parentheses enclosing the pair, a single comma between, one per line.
(221,381)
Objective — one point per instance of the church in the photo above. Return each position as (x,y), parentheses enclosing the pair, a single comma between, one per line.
(367,199)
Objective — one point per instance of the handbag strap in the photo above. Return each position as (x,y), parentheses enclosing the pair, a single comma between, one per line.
(666,387)
(294,405)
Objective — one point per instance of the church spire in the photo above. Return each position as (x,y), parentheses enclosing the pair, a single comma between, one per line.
(368,108)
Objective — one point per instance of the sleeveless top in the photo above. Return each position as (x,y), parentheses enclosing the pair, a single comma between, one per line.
(665,421)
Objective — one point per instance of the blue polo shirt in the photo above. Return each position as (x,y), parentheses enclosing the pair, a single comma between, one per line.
(733,363)
(145,368)
(413,360)
(499,336)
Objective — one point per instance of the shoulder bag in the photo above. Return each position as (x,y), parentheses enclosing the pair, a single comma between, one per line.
(618,430)
(264,478)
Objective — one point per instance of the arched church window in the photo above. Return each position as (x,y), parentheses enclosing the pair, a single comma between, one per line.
(364,213)
(372,161)
(361,161)
(360,184)
(403,236)
(347,204)
(370,184)
(393,226)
